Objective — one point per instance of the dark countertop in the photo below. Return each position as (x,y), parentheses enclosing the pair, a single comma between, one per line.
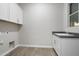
(70,34)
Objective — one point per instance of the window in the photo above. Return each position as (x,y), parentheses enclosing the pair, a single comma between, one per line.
(74,14)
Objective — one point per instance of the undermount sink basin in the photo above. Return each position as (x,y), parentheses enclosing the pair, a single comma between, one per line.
(64,34)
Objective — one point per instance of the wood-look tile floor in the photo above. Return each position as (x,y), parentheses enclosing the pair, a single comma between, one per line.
(29,51)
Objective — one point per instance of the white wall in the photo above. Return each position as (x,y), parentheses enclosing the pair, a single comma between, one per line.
(39,22)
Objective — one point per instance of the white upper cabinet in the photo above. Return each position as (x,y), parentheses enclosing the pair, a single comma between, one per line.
(16,15)
(19,14)
(4,11)
(11,12)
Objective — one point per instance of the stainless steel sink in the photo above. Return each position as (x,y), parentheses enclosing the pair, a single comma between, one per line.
(64,34)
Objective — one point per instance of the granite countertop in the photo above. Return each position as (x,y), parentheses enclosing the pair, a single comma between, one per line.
(69,34)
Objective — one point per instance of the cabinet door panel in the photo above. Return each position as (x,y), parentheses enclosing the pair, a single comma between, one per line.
(70,47)
(19,14)
(13,12)
(4,11)
(54,42)
(57,44)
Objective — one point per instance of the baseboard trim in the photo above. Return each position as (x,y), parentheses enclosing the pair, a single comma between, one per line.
(9,50)
(24,45)
(38,46)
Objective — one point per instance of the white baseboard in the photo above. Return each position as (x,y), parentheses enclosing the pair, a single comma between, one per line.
(23,45)
(9,50)
(38,46)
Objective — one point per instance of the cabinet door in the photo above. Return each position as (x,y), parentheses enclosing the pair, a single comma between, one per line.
(4,11)
(19,14)
(57,45)
(54,42)
(13,12)
(70,47)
